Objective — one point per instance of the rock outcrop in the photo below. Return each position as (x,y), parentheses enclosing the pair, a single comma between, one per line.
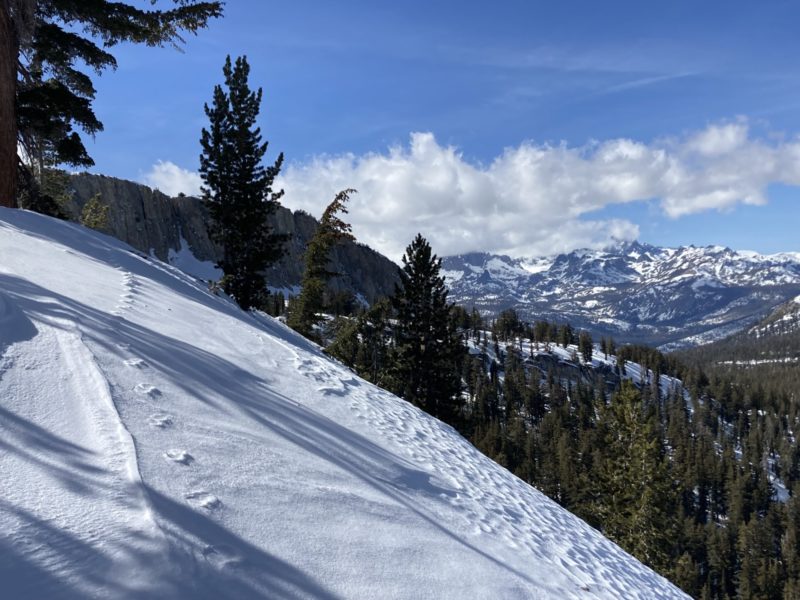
(155,223)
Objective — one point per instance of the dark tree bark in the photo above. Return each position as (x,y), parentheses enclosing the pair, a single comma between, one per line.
(8,120)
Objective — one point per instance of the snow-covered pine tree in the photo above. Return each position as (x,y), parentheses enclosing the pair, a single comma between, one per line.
(238,189)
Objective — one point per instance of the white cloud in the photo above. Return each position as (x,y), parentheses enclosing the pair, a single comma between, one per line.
(717,140)
(172,180)
(533,199)
(538,198)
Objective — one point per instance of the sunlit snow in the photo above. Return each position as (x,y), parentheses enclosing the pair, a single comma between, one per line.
(158,442)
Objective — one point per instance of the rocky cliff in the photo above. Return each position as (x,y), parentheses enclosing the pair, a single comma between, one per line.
(153,222)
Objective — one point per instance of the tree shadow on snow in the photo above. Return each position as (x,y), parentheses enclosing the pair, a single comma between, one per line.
(210,378)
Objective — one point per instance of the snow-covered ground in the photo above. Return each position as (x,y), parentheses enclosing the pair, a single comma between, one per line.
(157,442)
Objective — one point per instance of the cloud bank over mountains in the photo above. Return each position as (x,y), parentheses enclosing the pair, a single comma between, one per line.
(533,199)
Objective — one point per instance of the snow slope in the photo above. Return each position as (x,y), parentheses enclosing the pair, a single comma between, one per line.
(155,441)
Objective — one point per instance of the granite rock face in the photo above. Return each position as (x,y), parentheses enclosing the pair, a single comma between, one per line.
(153,222)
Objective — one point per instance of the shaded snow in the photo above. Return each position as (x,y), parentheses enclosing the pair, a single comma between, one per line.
(157,442)
(185,260)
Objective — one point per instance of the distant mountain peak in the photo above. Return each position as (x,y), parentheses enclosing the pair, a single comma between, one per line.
(632,290)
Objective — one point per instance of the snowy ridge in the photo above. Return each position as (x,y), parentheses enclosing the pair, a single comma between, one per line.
(161,443)
(784,320)
(669,297)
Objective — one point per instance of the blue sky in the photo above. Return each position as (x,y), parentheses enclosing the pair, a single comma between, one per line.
(531,97)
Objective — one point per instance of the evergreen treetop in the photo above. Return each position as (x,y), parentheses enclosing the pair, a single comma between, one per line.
(426,345)
(45,95)
(237,188)
(331,230)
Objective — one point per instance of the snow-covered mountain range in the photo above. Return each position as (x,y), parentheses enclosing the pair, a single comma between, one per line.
(157,442)
(667,297)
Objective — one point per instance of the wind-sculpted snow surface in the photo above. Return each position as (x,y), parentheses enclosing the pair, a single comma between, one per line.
(156,442)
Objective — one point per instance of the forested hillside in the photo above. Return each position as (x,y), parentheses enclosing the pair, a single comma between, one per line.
(760,362)
(694,479)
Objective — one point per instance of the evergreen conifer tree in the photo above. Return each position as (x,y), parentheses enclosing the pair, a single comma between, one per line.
(95,213)
(364,343)
(45,94)
(425,369)
(237,188)
(585,346)
(635,498)
(330,231)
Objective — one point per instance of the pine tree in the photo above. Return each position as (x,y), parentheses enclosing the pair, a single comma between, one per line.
(331,230)
(427,353)
(237,188)
(363,343)
(585,346)
(95,214)
(44,95)
(634,489)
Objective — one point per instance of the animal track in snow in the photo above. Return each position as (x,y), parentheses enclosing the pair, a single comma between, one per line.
(179,456)
(147,390)
(315,369)
(203,500)
(331,390)
(160,421)
(126,298)
(338,387)
(129,279)
(222,555)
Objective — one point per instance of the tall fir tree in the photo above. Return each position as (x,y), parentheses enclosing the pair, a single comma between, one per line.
(331,230)
(427,354)
(237,187)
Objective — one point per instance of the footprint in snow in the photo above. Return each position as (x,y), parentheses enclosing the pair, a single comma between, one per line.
(179,456)
(147,390)
(203,500)
(160,421)
(330,390)
(222,555)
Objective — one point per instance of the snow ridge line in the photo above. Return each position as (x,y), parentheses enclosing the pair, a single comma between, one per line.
(80,357)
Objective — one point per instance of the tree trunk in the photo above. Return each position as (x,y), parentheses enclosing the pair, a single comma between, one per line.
(8,117)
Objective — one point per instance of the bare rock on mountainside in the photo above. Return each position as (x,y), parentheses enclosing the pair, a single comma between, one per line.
(153,222)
